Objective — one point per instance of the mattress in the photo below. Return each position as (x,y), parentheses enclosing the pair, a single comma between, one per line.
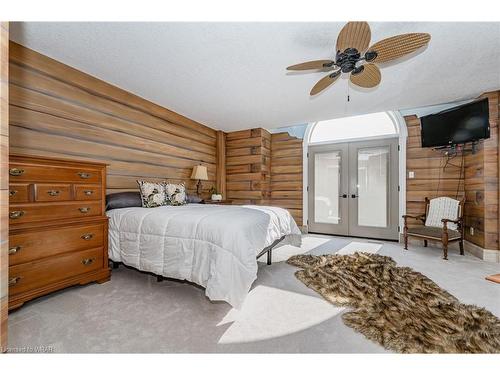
(214,246)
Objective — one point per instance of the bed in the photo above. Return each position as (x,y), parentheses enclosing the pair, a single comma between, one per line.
(214,246)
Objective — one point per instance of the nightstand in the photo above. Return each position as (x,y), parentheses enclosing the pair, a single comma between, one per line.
(209,201)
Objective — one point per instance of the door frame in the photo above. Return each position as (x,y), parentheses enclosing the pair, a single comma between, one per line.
(400,124)
(348,190)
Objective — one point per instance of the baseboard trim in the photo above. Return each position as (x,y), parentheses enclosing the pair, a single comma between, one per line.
(488,255)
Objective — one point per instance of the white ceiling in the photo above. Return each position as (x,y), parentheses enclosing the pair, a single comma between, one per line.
(232,76)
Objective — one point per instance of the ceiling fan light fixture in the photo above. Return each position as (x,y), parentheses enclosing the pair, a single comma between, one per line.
(352,42)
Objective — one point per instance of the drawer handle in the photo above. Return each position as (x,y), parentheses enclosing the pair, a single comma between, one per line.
(14,280)
(87,236)
(16,171)
(88,192)
(84,175)
(53,193)
(88,261)
(16,214)
(14,250)
(12,193)
(84,210)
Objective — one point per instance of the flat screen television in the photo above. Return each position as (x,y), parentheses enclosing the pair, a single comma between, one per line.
(466,123)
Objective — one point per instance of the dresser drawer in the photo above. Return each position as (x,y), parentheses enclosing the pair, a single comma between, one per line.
(33,245)
(33,212)
(87,192)
(19,193)
(48,173)
(52,192)
(28,276)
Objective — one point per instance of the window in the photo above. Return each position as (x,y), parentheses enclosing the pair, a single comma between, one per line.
(371,125)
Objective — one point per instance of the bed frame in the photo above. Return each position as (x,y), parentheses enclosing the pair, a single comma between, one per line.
(267,250)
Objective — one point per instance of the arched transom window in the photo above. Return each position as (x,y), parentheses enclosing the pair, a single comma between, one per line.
(371,125)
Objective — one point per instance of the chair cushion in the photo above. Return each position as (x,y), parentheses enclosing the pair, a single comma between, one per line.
(433,232)
(442,208)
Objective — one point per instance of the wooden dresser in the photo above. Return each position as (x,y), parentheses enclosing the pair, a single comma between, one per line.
(58,231)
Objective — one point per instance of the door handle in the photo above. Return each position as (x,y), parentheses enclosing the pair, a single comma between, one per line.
(14,280)
(16,214)
(354,196)
(84,175)
(14,250)
(16,171)
(87,236)
(343,196)
(88,261)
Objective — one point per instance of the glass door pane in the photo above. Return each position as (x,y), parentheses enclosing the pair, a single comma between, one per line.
(327,187)
(373,186)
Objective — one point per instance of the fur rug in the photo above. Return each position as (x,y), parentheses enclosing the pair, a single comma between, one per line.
(398,307)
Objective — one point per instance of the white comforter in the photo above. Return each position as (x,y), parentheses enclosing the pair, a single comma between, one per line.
(211,245)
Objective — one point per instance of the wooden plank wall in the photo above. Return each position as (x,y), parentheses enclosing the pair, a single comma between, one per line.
(431,180)
(248,158)
(480,184)
(286,174)
(56,110)
(4,180)
(265,168)
(221,163)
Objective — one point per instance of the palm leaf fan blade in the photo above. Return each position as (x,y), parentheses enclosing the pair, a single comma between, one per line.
(369,77)
(316,64)
(354,35)
(324,82)
(398,46)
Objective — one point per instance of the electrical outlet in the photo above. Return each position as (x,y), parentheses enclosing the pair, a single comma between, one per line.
(471,231)
(411,174)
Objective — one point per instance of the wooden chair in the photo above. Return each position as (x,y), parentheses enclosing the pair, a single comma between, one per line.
(443,224)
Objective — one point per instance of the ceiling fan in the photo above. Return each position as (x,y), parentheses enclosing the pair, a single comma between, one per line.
(352,50)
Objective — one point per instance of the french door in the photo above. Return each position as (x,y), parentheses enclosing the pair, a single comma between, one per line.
(353,189)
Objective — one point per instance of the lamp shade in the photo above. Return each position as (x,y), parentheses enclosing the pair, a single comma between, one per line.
(199,173)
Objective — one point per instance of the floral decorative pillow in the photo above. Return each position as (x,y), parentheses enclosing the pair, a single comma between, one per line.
(152,193)
(175,194)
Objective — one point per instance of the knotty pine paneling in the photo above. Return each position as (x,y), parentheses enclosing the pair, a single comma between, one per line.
(56,110)
(4,178)
(286,174)
(248,164)
(489,150)
(479,185)
(263,168)
(221,163)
